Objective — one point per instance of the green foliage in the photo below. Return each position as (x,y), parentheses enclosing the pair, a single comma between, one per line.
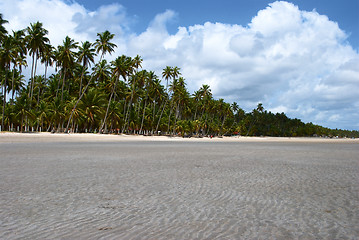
(119,96)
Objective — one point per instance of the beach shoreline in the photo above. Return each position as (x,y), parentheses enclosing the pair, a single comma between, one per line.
(47,136)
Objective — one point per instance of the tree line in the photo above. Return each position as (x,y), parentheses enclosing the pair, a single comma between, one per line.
(119,96)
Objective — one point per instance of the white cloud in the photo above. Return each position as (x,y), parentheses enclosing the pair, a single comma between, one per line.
(62,19)
(290,60)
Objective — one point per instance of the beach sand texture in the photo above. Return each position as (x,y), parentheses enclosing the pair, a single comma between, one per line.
(58,187)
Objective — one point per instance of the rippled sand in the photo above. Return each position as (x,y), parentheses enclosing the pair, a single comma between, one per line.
(68,187)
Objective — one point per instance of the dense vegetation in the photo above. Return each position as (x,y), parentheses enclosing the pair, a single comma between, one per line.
(84,95)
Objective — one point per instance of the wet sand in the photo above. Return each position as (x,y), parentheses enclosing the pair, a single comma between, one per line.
(55,186)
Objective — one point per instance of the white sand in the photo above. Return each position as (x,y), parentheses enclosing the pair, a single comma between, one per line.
(89,137)
(86,186)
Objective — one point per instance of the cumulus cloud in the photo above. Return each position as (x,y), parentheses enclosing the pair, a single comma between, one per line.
(290,60)
(65,19)
(294,61)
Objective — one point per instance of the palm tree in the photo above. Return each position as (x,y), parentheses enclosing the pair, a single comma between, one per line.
(180,97)
(102,73)
(114,115)
(206,95)
(86,56)
(256,115)
(137,79)
(103,43)
(23,113)
(36,44)
(42,114)
(48,58)
(3,31)
(175,72)
(6,57)
(20,51)
(40,84)
(149,83)
(167,74)
(121,67)
(91,106)
(18,83)
(66,58)
(57,114)
(137,62)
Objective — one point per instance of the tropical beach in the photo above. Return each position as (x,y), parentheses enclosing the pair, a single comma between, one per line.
(179,120)
(91,186)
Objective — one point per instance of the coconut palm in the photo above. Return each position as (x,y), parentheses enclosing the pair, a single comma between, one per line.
(7,55)
(86,56)
(137,62)
(3,31)
(56,113)
(23,113)
(102,72)
(36,44)
(66,58)
(48,58)
(149,83)
(103,43)
(19,53)
(91,107)
(206,96)
(121,67)
(138,78)
(167,74)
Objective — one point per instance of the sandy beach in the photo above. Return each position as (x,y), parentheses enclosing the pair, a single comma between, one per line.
(90,186)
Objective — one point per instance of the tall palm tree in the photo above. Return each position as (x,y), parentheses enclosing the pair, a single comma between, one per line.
(36,44)
(3,31)
(206,96)
(103,44)
(176,72)
(137,62)
(180,97)
(121,67)
(66,58)
(20,51)
(48,58)
(167,74)
(149,84)
(86,56)
(138,79)
(6,57)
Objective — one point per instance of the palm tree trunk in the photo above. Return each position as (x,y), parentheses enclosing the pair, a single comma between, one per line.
(176,116)
(82,75)
(12,84)
(129,109)
(108,107)
(63,84)
(159,120)
(78,100)
(32,73)
(33,80)
(4,103)
(143,114)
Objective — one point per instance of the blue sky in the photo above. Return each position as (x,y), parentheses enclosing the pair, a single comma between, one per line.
(190,12)
(298,57)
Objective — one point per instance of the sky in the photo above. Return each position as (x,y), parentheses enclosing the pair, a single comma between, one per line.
(299,57)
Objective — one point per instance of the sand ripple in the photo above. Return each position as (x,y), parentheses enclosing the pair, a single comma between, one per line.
(179,190)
